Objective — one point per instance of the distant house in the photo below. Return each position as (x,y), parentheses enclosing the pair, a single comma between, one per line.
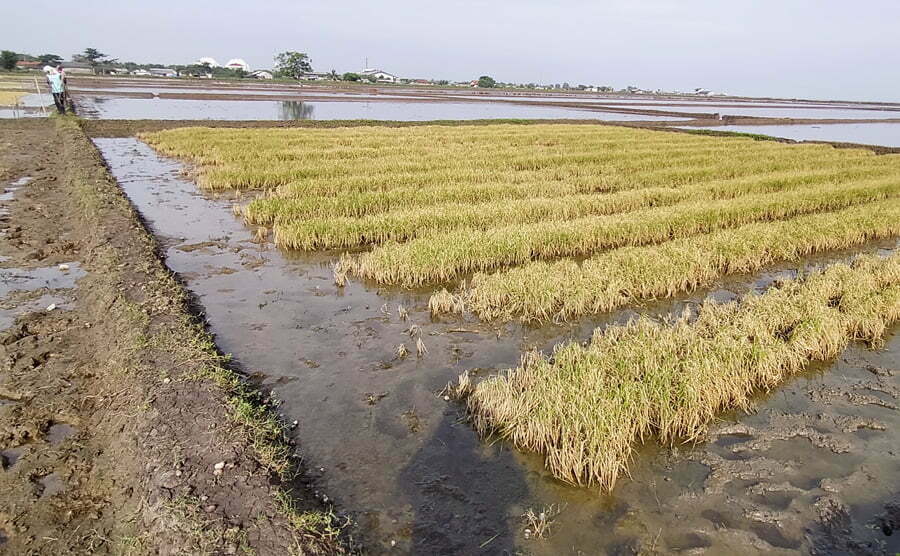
(21,64)
(207,61)
(141,73)
(314,76)
(702,92)
(238,64)
(163,72)
(77,67)
(379,75)
(262,74)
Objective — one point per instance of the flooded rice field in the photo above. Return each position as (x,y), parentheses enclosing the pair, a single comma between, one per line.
(30,106)
(115,108)
(109,100)
(814,469)
(886,134)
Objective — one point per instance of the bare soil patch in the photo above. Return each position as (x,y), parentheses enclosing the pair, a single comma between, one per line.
(122,430)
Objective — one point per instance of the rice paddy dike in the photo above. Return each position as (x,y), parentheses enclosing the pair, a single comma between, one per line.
(548,232)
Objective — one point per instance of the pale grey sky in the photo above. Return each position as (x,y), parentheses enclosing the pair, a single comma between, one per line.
(800,48)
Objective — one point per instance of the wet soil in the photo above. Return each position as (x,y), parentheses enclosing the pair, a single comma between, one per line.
(814,470)
(109,425)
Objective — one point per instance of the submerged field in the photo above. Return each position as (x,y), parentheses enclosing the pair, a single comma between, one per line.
(554,222)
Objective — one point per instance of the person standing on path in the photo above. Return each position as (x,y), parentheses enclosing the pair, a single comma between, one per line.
(57,82)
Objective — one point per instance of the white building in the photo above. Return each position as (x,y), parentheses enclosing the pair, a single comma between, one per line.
(238,64)
(206,60)
(314,76)
(379,75)
(163,72)
(262,74)
(141,73)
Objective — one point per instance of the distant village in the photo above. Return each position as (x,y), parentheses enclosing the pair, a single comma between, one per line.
(209,68)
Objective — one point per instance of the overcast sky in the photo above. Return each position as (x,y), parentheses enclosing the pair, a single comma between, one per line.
(797,48)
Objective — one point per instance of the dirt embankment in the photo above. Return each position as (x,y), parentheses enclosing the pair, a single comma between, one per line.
(122,430)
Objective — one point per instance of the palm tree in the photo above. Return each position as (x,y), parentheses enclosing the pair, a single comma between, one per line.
(334,76)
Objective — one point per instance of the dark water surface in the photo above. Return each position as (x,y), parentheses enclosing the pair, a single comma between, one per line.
(813,468)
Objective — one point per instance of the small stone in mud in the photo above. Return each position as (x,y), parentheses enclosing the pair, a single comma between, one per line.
(64,267)
(218,468)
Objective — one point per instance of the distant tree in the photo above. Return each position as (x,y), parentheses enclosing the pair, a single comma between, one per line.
(8,59)
(334,75)
(50,59)
(350,76)
(486,82)
(293,64)
(442,82)
(93,57)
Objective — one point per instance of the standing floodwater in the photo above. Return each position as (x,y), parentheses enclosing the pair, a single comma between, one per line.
(814,469)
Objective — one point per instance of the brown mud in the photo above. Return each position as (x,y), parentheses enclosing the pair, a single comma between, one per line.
(814,470)
(115,408)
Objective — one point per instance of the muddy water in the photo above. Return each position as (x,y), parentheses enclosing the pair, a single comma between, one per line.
(813,468)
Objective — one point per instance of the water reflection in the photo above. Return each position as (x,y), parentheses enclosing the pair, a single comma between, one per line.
(886,134)
(296,110)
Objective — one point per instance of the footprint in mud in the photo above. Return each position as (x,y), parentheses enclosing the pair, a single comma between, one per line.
(3,537)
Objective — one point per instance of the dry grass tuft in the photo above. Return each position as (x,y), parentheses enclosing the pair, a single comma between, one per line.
(538,523)
(340,275)
(421,350)
(444,302)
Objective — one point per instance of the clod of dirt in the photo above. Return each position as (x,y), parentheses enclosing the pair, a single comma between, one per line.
(59,432)
(49,485)
(9,457)
(195,246)
(372,398)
